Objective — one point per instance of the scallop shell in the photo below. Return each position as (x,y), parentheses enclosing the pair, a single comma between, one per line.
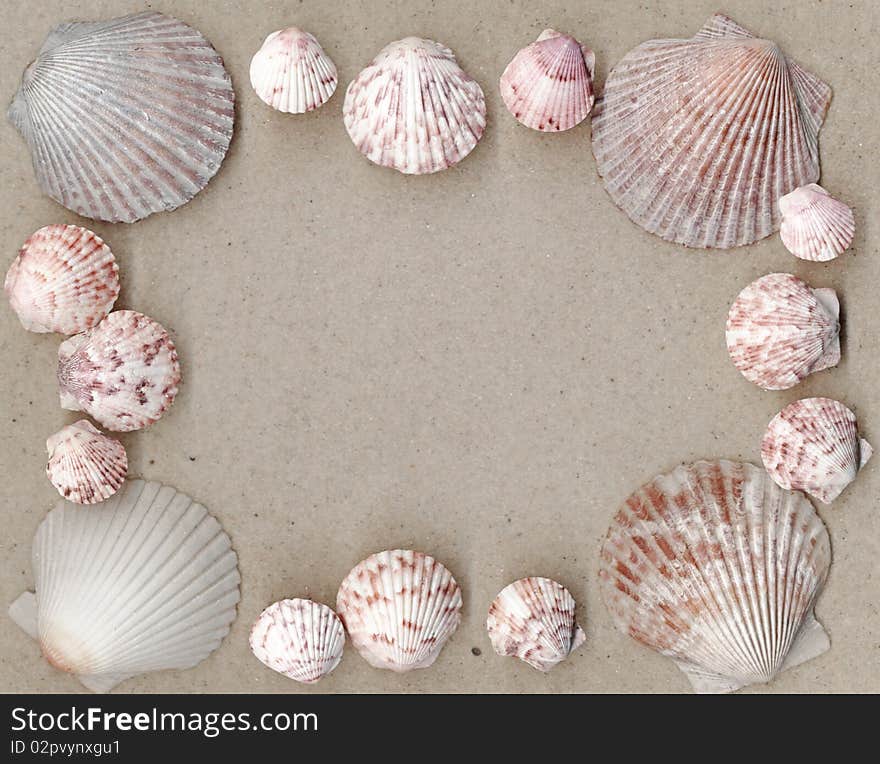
(84,465)
(813,445)
(124,372)
(144,581)
(548,85)
(126,117)
(697,140)
(717,567)
(815,226)
(299,638)
(64,279)
(779,330)
(414,109)
(292,73)
(399,608)
(534,620)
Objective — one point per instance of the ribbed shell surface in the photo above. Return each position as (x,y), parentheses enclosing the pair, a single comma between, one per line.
(815,225)
(85,466)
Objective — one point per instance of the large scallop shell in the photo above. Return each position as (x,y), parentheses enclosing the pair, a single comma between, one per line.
(124,372)
(292,73)
(145,581)
(779,330)
(399,608)
(548,85)
(64,279)
(815,226)
(534,620)
(85,465)
(414,108)
(126,117)
(298,638)
(813,445)
(717,567)
(697,140)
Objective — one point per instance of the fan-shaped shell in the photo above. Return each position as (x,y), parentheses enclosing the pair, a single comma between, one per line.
(534,620)
(144,581)
(292,73)
(697,140)
(399,608)
(548,85)
(717,567)
(298,638)
(85,465)
(126,117)
(815,226)
(64,279)
(813,445)
(779,330)
(414,108)
(124,372)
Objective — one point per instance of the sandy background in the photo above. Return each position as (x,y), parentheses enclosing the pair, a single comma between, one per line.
(481,364)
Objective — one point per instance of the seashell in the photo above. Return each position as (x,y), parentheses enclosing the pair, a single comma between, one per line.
(292,73)
(64,279)
(533,619)
(414,108)
(124,372)
(815,226)
(548,85)
(84,465)
(144,581)
(718,568)
(399,608)
(125,117)
(298,638)
(813,445)
(697,140)
(779,330)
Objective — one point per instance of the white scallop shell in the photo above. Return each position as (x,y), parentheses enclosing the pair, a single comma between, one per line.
(144,581)
(124,372)
(815,226)
(779,330)
(292,73)
(548,85)
(534,620)
(414,108)
(399,608)
(125,117)
(697,140)
(85,465)
(717,567)
(298,638)
(813,445)
(64,279)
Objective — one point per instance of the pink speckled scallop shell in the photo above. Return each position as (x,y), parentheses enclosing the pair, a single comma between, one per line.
(548,85)
(815,226)
(65,279)
(85,465)
(718,568)
(813,445)
(779,331)
(399,608)
(124,372)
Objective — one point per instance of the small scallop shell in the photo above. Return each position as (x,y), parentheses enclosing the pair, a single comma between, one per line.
(815,226)
(65,279)
(124,372)
(548,85)
(414,108)
(399,608)
(298,638)
(534,620)
(292,73)
(779,330)
(84,465)
(813,445)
